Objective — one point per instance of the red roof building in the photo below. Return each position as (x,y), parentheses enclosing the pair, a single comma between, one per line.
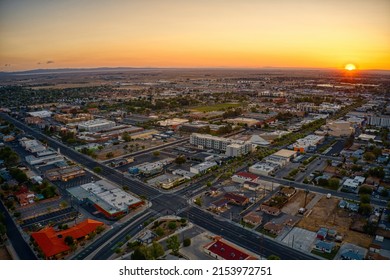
(236,198)
(222,250)
(52,242)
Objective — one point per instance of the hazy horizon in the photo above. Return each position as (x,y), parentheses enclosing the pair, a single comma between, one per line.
(194,34)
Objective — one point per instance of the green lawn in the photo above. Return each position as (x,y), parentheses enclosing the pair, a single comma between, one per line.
(216,107)
(328,256)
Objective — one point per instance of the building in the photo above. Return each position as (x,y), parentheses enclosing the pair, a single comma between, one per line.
(324,246)
(96,125)
(303,144)
(166,181)
(245,121)
(230,146)
(264,168)
(242,177)
(352,185)
(106,198)
(152,168)
(381,121)
(273,228)
(173,123)
(202,167)
(52,242)
(50,159)
(70,118)
(197,127)
(224,250)
(366,137)
(270,210)
(32,146)
(253,218)
(25,198)
(236,150)
(65,173)
(184,173)
(237,199)
(41,114)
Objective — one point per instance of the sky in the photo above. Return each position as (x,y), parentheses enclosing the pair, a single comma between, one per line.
(37,34)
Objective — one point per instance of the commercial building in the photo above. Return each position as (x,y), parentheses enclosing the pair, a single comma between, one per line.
(151,168)
(245,121)
(166,181)
(52,242)
(202,167)
(32,146)
(173,123)
(303,144)
(41,114)
(264,168)
(195,127)
(242,177)
(96,125)
(65,173)
(224,250)
(106,198)
(381,121)
(44,160)
(231,147)
(70,118)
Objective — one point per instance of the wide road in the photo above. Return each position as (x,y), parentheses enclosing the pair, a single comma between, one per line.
(21,247)
(243,237)
(170,203)
(128,225)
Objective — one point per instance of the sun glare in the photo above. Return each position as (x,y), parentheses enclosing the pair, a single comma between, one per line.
(350,67)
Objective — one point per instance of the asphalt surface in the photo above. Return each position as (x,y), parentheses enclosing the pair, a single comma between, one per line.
(23,250)
(176,203)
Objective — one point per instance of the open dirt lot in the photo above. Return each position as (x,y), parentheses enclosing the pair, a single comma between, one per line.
(326,214)
(296,202)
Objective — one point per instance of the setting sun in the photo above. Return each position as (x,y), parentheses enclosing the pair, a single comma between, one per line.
(350,67)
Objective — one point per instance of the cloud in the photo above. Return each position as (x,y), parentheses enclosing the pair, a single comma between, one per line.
(49,61)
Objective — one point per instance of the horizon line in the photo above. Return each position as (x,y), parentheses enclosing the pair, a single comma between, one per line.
(189,67)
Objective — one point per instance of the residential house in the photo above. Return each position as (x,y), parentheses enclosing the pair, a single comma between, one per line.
(273,227)
(270,210)
(324,246)
(237,199)
(253,218)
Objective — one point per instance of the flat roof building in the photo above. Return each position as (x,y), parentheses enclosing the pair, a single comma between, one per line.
(107,198)
(263,168)
(202,167)
(96,125)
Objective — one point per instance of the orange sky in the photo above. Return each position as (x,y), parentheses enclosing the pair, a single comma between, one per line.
(201,33)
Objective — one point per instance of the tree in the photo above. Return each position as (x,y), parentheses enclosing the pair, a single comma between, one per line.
(126,137)
(365,198)
(187,242)
(323,182)
(273,257)
(155,251)
(69,240)
(159,231)
(97,169)
(369,156)
(334,183)
(109,155)
(385,192)
(365,190)
(173,244)
(156,153)
(180,160)
(138,254)
(209,184)
(365,209)
(172,225)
